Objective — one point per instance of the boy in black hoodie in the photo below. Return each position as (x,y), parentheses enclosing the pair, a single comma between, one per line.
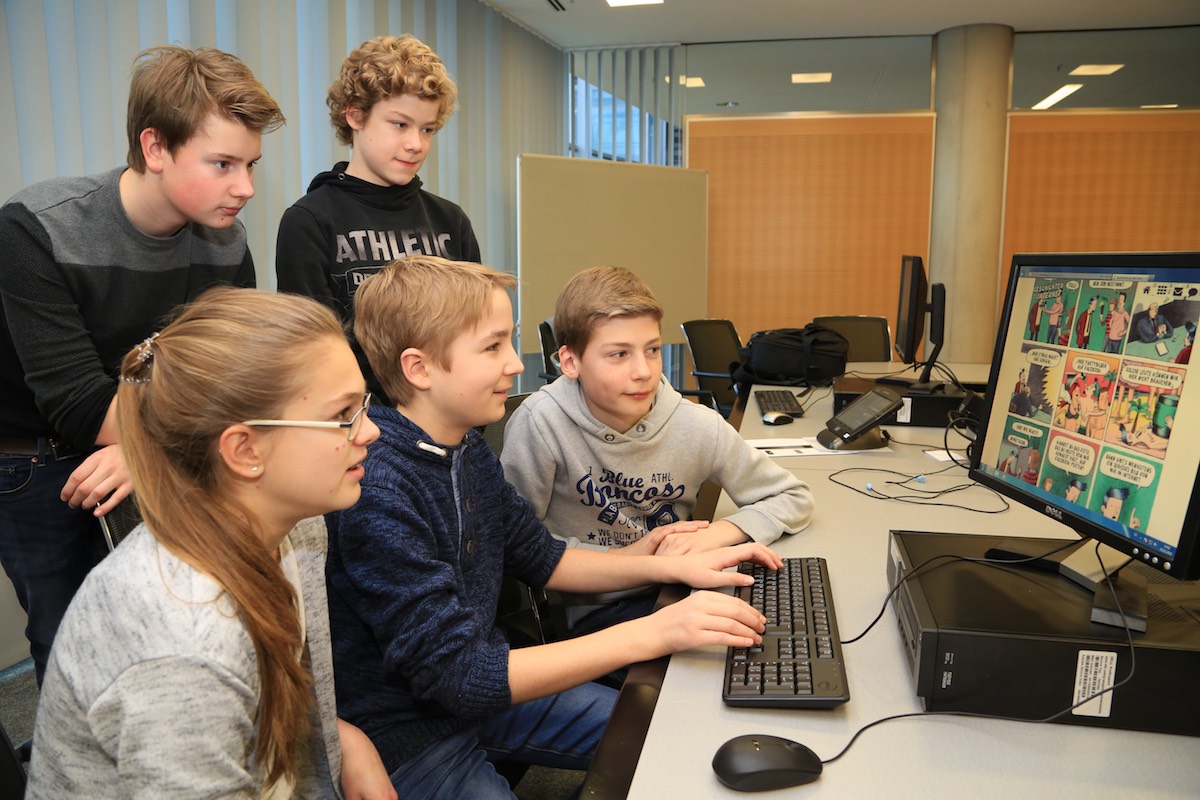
(392,95)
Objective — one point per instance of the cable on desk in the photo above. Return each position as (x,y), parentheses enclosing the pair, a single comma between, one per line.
(924,497)
(1108,581)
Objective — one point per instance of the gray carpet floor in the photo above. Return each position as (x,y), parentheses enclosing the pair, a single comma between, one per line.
(18,705)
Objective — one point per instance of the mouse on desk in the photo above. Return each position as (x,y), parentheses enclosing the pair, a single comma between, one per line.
(758,763)
(776,418)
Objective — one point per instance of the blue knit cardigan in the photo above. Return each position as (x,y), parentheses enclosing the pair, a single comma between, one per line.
(414,578)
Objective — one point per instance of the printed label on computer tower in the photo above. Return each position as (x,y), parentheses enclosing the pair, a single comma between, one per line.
(1094,673)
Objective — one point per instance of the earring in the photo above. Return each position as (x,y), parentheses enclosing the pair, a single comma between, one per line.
(254,469)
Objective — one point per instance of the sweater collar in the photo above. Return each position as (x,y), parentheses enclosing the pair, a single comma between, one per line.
(388,198)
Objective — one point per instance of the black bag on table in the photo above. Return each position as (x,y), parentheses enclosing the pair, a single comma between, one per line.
(808,356)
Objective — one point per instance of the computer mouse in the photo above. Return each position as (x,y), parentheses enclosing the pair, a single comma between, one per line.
(758,763)
(776,418)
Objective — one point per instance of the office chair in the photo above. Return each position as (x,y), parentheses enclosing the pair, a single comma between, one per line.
(12,766)
(527,616)
(493,433)
(714,347)
(120,522)
(550,368)
(870,337)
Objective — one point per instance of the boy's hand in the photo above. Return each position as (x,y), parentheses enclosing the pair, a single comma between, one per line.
(363,775)
(649,544)
(706,570)
(720,534)
(708,618)
(101,477)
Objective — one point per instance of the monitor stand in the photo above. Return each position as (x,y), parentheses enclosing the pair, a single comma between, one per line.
(1078,564)
(915,386)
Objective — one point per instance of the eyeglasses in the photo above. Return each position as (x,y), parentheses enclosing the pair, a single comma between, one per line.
(352,426)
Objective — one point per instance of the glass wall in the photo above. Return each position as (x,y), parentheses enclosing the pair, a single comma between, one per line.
(1158,67)
(627,103)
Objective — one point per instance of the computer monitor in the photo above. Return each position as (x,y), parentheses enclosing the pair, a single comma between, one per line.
(917,299)
(1094,419)
(910,315)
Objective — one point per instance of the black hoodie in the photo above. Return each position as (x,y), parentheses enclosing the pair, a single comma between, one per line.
(345,229)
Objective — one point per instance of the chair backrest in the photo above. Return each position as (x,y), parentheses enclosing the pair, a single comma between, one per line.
(870,337)
(493,434)
(120,522)
(12,767)
(714,347)
(550,368)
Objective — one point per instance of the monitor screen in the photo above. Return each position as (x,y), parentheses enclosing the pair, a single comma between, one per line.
(1093,419)
(910,315)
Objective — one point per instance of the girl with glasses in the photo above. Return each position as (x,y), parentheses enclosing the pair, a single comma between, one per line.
(195,661)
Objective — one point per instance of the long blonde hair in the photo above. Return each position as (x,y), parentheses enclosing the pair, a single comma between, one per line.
(232,355)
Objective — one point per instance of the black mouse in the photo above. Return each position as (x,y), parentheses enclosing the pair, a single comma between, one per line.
(776,418)
(757,763)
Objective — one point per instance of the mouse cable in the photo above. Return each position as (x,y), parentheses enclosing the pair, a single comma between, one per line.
(805,406)
(925,497)
(1108,581)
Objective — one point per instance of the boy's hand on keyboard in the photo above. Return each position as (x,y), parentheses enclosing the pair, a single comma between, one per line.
(707,618)
(707,570)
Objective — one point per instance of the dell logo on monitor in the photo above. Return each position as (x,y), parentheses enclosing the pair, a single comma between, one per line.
(1054,512)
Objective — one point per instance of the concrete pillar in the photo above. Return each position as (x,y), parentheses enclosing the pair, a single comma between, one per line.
(972,80)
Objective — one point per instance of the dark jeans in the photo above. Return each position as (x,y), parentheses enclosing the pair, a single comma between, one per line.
(46,546)
(560,731)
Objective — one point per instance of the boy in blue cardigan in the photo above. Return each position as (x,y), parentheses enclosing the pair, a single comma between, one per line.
(415,566)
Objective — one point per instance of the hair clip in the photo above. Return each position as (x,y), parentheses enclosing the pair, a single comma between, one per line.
(145,359)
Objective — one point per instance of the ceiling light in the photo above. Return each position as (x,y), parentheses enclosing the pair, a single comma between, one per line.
(727,104)
(812,77)
(1096,69)
(618,3)
(1065,91)
(1162,105)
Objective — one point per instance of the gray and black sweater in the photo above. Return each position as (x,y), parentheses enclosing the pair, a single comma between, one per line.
(79,286)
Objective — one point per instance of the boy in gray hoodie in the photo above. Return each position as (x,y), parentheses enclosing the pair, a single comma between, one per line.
(611,456)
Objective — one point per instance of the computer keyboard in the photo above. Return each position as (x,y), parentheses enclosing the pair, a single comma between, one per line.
(799,663)
(778,400)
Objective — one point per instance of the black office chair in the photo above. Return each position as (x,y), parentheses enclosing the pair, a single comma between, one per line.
(714,347)
(120,522)
(493,434)
(527,616)
(12,766)
(870,337)
(550,369)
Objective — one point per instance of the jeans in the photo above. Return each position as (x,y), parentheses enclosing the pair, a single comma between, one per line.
(46,546)
(560,731)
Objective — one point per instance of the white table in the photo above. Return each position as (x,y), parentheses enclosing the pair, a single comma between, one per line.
(931,757)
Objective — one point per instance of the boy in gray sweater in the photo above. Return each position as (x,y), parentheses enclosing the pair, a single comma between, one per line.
(611,456)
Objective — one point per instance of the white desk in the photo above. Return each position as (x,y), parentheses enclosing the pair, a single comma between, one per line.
(934,757)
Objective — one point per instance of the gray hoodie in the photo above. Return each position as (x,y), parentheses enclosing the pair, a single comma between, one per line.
(596,487)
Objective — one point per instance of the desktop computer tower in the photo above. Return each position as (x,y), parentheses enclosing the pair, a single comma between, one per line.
(930,411)
(1018,642)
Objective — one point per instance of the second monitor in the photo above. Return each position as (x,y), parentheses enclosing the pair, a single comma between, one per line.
(918,299)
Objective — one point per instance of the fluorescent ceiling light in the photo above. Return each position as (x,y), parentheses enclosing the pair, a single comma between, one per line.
(1096,69)
(812,77)
(1065,91)
(1162,105)
(618,3)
